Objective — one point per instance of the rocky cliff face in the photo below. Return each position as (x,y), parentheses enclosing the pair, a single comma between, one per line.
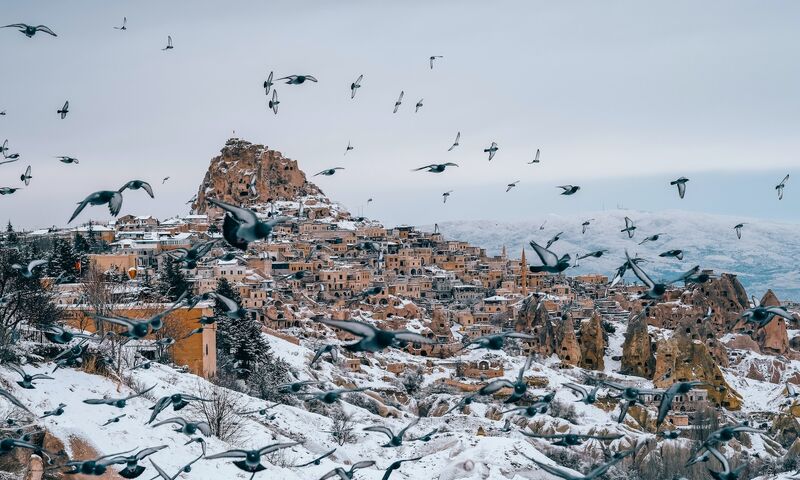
(246,174)
(569,350)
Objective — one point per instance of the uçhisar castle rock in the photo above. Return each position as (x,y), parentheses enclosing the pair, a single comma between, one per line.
(246,174)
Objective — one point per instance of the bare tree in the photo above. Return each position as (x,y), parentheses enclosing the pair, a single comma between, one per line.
(342,428)
(220,411)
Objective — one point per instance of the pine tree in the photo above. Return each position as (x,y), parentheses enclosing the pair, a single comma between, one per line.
(62,260)
(11,235)
(171,280)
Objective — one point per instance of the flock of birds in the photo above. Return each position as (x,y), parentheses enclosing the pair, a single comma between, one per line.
(241,226)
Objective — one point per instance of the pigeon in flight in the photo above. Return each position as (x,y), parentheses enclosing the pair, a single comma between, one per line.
(317,460)
(7,190)
(296,386)
(297,79)
(328,172)
(349,147)
(30,30)
(418,106)
(535,158)
(114,420)
(27,379)
(571,439)
(761,315)
(56,412)
(185,427)
(595,254)
(374,339)
(511,185)
(630,228)
(779,187)
(398,102)
(27,270)
(347,474)
(550,262)
(273,104)
(395,440)
(116,402)
(655,290)
(727,473)
(63,111)
(491,150)
(677,388)
(268,83)
(241,226)
(26,177)
(446,195)
(436,167)
(433,58)
(553,240)
(355,86)
(629,396)
(67,159)
(136,185)
(569,189)
(519,386)
(396,465)
(672,253)
(587,396)
(585,224)
(60,336)
(568,475)
(681,183)
(164,180)
(177,400)
(496,341)
(132,468)
(13,400)
(455,143)
(738,228)
(113,199)
(332,396)
(169,43)
(332,350)
(651,238)
(124,24)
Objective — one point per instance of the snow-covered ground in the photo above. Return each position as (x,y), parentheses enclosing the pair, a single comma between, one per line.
(455,452)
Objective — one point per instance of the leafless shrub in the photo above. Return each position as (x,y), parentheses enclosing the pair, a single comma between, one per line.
(342,428)
(412,381)
(220,411)
(563,410)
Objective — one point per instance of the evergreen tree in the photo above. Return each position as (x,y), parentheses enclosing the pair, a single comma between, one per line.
(242,348)
(11,235)
(62,260)
(171,280)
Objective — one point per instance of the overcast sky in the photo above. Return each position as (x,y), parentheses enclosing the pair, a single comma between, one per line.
(621,97)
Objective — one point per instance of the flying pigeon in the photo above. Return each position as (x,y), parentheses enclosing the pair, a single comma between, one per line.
(550,262)
(681,183)
(432,58)
(738,228)
(7,190)
(374,339)
(395,440)
(398,102)
(273,104)
(436,167)
(535,158)
(418,106)
(102,197)
(569,189)
(297,79)
(629,227)
(30,30)
(349,147)
(455,143)
(328,172)
(496,341)
(491,150)
(27,379)
(136,185)
(169,43)
(26,177)
(554,239)
(241,226)
(446,195)
(519,386)
(177,400)
(317,460)
(27,270)
(116,402)
(355,86)
(585,224)
(268,83)
(186,427)
(67,159)
(511,185)
(651,238)
(124,24)
(250,460)
(63,111)
(672,253)
(779,187)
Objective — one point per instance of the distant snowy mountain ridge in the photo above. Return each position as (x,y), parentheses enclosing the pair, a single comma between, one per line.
(767,255)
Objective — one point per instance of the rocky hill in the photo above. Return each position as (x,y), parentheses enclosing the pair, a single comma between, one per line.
(246,174)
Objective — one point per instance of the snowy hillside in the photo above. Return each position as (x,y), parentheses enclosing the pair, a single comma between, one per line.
(765,257)
(471,446)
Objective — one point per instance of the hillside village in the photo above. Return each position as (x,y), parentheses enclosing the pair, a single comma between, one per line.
(327,263)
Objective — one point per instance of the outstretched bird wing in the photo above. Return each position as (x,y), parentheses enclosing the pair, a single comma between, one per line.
(546,256)
(409,336)
(495,386)
(355,327)
(380,429)
(244,216)
(639,272)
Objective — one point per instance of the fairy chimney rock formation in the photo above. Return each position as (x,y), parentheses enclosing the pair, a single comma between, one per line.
(246,174)
(773,338)
(593,343)
(569,350)
(637,352)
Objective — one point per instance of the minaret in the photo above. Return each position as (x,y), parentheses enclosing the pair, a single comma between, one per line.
(523,271)
(504,252)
